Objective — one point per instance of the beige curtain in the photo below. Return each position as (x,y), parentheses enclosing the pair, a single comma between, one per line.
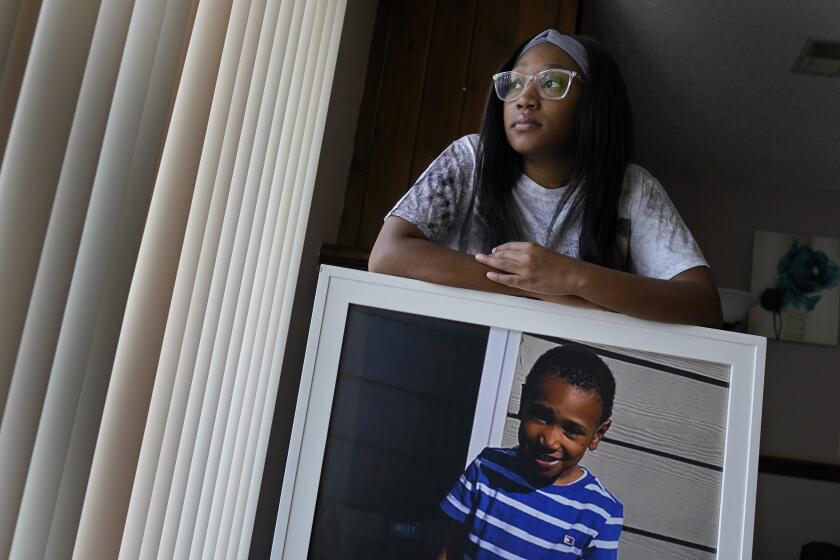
(157,169)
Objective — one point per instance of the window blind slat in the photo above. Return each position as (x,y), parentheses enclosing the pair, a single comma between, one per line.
(142,373)
(28,387)
(173,379)
(218,463)
(131,219)
(271,256)
(192,459)
(294,230)
(231,178)
(123,419)
(28,176)
(18,18)
(10,12)
(239,284)
(276,366)
(109,243)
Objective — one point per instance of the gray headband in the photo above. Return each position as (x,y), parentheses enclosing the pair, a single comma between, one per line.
(570,45)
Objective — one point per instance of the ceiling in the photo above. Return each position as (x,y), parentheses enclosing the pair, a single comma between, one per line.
(712,91)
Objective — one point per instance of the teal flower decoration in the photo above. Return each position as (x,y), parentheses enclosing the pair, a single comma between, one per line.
(802,272)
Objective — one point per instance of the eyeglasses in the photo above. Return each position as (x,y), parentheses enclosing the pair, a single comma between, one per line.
(553,83)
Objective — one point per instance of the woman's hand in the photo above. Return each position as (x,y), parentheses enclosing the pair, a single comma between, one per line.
(534,268)
(690,297)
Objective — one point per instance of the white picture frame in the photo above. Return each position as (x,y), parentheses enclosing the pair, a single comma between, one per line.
(507,317)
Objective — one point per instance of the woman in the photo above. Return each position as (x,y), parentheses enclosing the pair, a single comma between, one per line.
(544,202)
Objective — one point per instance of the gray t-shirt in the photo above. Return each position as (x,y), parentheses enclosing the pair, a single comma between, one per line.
(651,233)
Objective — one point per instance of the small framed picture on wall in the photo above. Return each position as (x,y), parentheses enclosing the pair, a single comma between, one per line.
(797,279)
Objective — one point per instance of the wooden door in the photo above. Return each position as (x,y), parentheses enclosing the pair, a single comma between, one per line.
(427,79)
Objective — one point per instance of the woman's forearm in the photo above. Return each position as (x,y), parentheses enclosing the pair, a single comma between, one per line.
(529,270)
(688,298)
(422,259)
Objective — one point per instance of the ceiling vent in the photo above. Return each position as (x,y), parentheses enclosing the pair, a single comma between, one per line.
(821,58)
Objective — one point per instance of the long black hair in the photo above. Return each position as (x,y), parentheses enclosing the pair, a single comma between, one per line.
(601,150)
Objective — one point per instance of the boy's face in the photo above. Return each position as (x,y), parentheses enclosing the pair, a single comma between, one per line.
(559,422)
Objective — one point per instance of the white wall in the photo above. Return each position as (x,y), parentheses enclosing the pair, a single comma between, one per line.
(781,529)
(802,381)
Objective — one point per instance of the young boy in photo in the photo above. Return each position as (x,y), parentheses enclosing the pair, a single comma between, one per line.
(534,500)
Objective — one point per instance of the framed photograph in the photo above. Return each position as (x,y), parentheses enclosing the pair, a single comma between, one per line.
(405,383)
(796,278)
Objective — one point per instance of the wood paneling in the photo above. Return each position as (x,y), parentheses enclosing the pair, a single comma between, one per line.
(797,468)
(444,87)
(493,42)
(354,197)
(397,112)
(348,257)
(568,16)
(532,16)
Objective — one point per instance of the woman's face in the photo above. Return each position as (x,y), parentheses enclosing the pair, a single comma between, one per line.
(536,127)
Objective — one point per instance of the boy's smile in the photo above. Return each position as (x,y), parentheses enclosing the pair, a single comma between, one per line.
(559,422)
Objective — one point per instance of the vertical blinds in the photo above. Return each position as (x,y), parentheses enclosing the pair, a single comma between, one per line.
(149,252)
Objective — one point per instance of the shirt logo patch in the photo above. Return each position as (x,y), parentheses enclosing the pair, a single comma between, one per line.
(569,540)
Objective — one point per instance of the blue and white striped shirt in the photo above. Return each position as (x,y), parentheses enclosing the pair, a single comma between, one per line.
(507,517)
